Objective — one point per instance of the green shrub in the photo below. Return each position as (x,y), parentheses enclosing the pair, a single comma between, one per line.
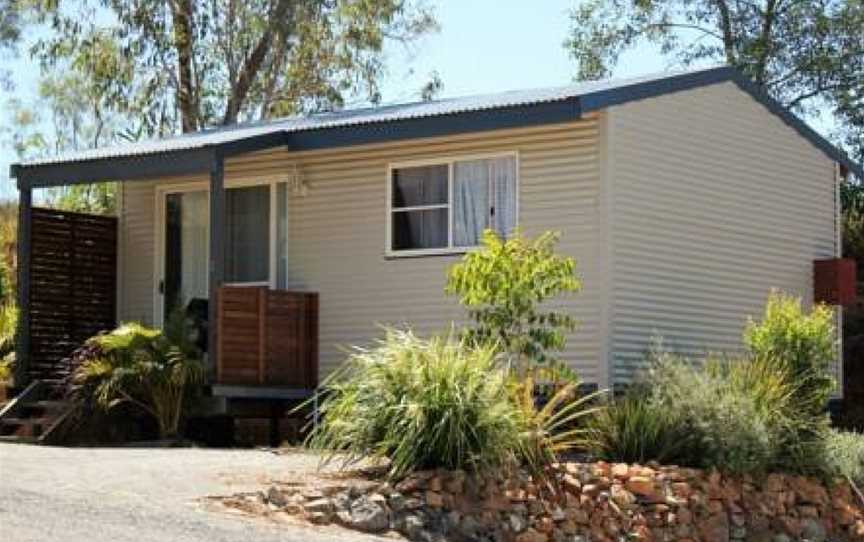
(845,455)
(633,429)
(799,342)
(142,367)
(735,411)
(5,372)
(503,284)
(420,404)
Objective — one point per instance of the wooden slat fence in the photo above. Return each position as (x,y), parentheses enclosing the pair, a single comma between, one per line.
(73,286)
(267,337)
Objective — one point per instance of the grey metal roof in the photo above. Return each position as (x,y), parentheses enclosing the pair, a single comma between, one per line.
(348,117)
(589,96)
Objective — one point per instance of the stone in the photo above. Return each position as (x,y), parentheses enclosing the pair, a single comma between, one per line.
(412,526)
(622,497)
(813,531)
(714,528)
(620,470)
(396,501)
(276,497)
(808,491)
(684,516)
(367,515)
(640,485)
(808,512)
(319,518)
(456,482)
(545,525)
(312,494)
(532,536)
(434,484)
(681,489)
(774,482)
(434,500)
(517,523)
(571,483)
(323,505)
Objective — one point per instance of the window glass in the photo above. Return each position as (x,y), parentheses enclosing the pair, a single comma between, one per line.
(418,186)
(247,234)
(425,215)
(282,236)
(413,230)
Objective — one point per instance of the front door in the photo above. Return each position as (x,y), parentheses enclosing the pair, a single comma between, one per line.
(186,241)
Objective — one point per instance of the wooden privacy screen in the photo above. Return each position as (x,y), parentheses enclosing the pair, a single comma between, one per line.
(73,286)
(267,337)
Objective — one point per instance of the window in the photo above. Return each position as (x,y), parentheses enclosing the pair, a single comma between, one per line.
(247,234)
(447,205)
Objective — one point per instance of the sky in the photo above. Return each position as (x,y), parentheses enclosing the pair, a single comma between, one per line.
(483,46)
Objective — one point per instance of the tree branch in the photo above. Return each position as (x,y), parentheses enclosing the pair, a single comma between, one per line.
(704,30)
(253,63)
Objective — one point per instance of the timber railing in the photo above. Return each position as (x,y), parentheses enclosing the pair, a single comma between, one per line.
(267,337)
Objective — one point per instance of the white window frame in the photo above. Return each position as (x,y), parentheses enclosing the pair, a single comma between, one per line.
(163,190)
(449,161)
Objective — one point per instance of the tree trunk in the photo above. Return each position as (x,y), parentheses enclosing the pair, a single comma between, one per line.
(726,29)
(764,45)
(181,11)
(253,63)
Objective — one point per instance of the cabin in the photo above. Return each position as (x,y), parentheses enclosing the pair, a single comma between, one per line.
(684,198)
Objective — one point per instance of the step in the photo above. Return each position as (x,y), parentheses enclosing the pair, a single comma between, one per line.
(14,439)
(48,404)
(25,421)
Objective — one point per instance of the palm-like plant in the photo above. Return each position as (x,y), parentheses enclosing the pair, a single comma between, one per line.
(143,367)
(8,328)
(557,426)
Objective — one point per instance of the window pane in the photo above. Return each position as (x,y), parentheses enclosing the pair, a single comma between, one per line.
(503,172)
(470,202)
(282,236)
(420,229)
(416,186)
(247,234)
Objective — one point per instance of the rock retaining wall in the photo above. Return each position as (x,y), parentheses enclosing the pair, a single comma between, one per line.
(594,502)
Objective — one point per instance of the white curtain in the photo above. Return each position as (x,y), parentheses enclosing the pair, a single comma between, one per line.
(470,201)
(503,174)
(194,239)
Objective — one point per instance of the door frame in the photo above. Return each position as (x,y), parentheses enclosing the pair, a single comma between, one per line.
(163,190)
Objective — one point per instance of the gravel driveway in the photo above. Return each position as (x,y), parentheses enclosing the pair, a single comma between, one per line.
(143,495)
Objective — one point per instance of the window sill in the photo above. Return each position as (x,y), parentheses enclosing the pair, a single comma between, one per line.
(403,254)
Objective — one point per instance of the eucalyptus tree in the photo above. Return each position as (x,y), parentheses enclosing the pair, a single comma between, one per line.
(199,63)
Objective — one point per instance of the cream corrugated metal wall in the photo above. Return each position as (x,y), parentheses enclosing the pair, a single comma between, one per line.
(714,201)
(336,234)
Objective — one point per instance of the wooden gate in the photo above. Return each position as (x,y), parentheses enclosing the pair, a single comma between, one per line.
(73,286)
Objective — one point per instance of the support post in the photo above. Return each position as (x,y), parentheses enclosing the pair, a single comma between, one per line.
(25,236)
(216,269)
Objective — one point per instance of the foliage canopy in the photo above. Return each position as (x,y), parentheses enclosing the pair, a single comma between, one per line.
(503,286)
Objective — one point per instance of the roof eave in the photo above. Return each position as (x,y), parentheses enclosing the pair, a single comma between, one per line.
(139,167)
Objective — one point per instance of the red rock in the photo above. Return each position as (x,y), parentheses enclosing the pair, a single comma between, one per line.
(545,525)
(620,470)
(681,489)
(434,499)
(685,516)
(641,485)
(571,484)
(774,482)
(531,535)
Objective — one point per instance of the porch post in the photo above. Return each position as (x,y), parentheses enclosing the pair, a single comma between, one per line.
(216,268)
(22,342)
